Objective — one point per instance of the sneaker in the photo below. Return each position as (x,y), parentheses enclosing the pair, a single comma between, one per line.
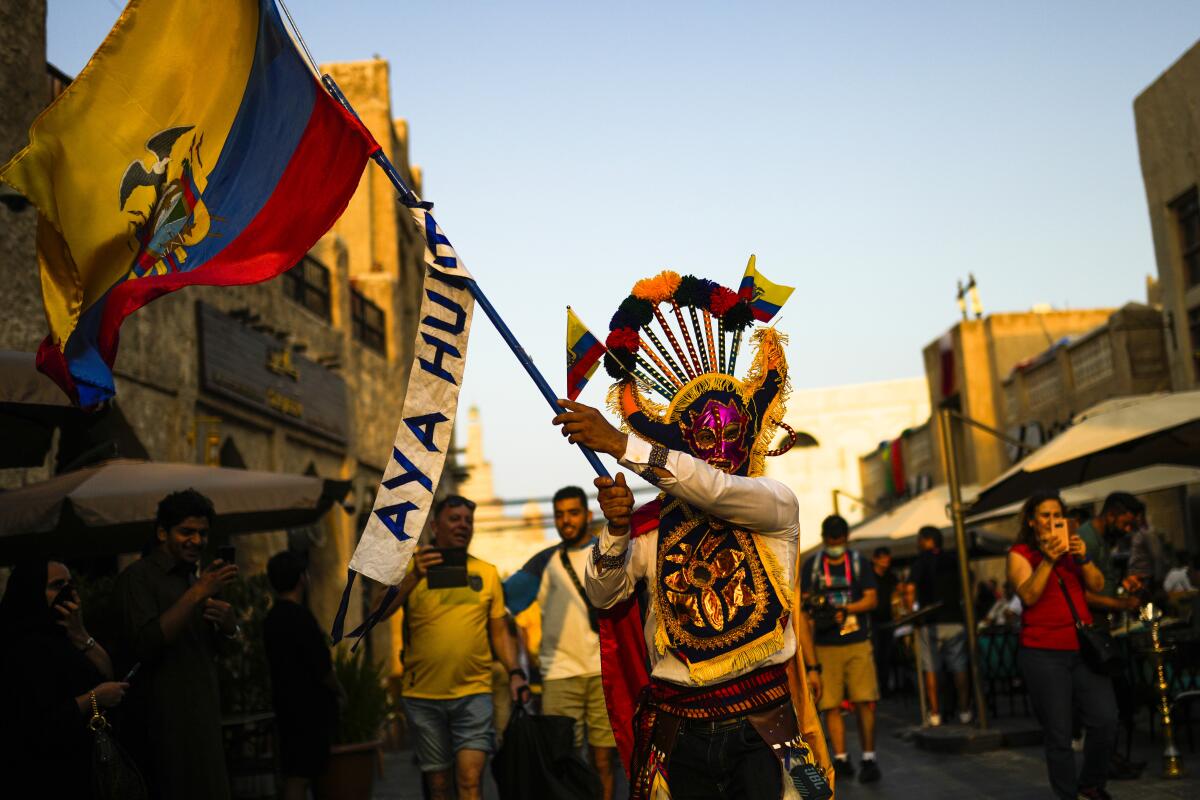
(842,768)
(869,771)
(1094,793)
(965,717)
(935,720)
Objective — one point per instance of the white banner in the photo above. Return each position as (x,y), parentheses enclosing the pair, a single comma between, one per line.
(427,421)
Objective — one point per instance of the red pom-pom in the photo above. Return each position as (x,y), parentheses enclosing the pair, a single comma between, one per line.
(721,300)
(623,339)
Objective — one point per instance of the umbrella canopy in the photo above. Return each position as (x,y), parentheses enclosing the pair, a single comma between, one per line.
(1137,481)
(897,528)
(927,508)
(109,508)
(31,406)
(1113,437)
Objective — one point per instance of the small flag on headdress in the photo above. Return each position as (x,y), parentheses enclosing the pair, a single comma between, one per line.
(583,355)
(765,298)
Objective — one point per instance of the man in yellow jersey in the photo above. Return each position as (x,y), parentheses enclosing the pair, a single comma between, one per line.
(450,633)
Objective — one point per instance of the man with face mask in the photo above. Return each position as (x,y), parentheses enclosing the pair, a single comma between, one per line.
(569,655)
(844,583)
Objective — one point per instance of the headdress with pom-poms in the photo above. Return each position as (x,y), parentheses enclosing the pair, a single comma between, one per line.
(703,324)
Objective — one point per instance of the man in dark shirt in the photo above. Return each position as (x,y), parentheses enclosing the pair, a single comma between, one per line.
(943,635)
(881,632)
(843,642)
(304,690)
(172,623)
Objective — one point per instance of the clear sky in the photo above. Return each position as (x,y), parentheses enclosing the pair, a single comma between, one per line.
(870,153)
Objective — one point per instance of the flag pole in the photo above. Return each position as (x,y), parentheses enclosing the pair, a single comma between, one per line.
(409,198)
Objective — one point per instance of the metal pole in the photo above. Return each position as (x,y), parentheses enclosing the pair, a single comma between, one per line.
(950,459)
(836,513)
(410,198)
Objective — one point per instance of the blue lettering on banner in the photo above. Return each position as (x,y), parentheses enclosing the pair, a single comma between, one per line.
(422,427)
(411,473)
(460,315)
(435,367)
(393,518)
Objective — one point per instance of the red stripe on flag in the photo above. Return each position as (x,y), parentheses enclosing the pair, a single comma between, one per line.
(311,194)
(577,374)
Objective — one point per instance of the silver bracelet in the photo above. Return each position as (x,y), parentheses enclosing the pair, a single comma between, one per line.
(604,562)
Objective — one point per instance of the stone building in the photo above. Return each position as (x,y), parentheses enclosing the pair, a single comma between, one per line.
(965,368)
(1124,356)
(1167,114)
(964,371)
(846,421)
(305,373)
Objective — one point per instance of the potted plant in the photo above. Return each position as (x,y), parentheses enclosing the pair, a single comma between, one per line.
(354,757)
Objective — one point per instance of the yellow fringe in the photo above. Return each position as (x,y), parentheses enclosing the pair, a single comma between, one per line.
(715,669)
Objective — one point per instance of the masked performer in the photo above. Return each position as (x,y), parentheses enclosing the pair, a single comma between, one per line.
(705,684)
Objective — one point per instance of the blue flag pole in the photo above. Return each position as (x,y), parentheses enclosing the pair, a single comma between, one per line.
(410,199)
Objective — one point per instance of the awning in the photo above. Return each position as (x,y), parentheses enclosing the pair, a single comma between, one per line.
(927,508)
(109,508)
(1138,481)
(31,407)
(1114,437)
(897,529)
(20,382)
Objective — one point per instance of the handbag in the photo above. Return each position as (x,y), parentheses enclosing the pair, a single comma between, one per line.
(114,774)
(1096,647)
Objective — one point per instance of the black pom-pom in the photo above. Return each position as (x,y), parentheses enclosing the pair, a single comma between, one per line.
(613,367)
(622,319)
(640,311)
(739,317)
(691,292)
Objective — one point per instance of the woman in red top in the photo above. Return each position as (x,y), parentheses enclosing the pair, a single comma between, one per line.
(1046,565)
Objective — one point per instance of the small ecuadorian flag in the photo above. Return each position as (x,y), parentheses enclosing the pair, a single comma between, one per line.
(196,147)
(583,355)
(765,298)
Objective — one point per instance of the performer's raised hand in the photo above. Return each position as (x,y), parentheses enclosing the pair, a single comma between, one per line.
(616,503)
(586,426)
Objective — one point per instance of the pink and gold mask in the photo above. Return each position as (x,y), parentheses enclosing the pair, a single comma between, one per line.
(718,434)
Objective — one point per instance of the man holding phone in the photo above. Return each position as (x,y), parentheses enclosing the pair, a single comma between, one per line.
(453,623)
(172,622)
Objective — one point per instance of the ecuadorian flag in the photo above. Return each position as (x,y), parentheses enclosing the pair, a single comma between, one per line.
(765,298)
(196,147)
(583,355)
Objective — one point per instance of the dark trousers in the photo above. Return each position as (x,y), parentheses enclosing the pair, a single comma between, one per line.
(1059,683)
(728,762)
(881,643)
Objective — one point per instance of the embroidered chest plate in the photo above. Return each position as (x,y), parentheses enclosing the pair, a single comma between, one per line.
(719,599)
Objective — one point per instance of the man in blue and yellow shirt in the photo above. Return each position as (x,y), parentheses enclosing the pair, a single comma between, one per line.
(449,637)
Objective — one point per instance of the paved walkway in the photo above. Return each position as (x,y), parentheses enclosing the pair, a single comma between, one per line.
(910,772)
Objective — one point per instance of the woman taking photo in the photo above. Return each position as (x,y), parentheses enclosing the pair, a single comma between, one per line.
(1045,565)
(50,669)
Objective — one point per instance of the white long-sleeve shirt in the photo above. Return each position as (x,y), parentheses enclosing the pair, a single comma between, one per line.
(762,505)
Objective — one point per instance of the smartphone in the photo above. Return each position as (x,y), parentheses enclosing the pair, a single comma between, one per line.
(1058,532)
(452,572)
(227,553)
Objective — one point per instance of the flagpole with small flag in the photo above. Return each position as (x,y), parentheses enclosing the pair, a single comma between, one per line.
(434,238)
